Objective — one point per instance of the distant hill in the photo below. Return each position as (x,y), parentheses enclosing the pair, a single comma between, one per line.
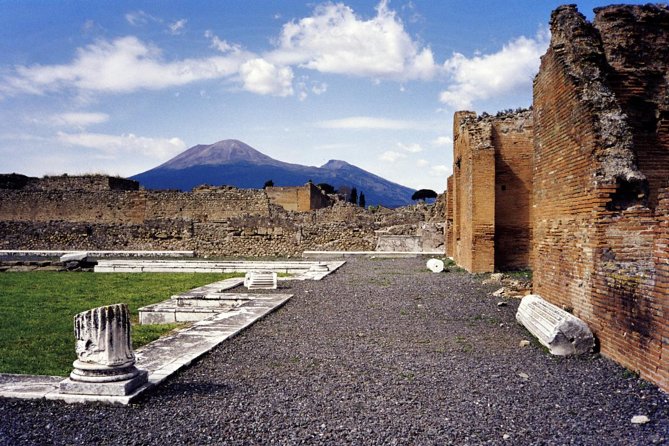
(233,163)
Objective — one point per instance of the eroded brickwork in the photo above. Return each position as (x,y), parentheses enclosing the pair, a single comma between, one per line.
(600,177)
(488,212)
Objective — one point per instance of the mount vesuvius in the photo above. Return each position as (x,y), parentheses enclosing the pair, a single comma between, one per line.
(233,163)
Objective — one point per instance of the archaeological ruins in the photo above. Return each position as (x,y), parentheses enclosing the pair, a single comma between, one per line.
(577,190)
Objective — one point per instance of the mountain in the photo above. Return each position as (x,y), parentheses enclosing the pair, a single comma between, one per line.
(233,163)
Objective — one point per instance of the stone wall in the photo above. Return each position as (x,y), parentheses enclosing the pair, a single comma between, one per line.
(300,199)
(488,220)
(214,221)
(600,178)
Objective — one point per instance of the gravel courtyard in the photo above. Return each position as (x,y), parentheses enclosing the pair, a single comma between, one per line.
(380,352)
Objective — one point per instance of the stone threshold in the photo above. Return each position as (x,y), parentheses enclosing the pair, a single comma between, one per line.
(161,358)
(96,254)
(377,254)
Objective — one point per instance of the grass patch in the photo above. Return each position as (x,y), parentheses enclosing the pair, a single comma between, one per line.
(36,321)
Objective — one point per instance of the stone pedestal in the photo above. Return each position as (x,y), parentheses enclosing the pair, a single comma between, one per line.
(106,362)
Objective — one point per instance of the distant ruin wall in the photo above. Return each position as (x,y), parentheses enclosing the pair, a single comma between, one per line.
(299,199)
(220,221)
(600,176)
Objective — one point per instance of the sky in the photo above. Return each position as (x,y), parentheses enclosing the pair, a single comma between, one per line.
(120,87)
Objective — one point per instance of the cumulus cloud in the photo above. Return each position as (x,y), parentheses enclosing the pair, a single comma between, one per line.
(79,119)
(391,156)
(422,163)
(484,76)
(262,77)
(121,66)
(129,143)
(368,122)
(440,170)
(335,40)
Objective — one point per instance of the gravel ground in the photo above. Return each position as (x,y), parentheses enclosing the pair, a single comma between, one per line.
(381,352)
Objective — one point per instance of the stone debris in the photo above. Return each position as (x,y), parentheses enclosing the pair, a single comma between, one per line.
(494,278)
(524,376)
(524,343)
(640,419)
(435,265)
(562,333)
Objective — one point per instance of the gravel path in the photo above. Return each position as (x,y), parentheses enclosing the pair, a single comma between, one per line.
(381,352)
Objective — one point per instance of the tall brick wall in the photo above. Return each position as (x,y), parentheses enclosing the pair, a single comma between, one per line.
(488,223)
(599,202)
(512,138)
(474,178)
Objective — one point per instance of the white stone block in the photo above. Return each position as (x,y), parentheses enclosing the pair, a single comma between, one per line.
(260,280)
(562,333)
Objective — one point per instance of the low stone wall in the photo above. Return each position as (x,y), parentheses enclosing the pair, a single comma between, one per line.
(342,227)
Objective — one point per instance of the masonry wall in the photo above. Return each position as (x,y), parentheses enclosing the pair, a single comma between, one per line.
(488,219)
(220,221)
(474,199)
(512,138)
(299,199)
(599,195)
(448,230)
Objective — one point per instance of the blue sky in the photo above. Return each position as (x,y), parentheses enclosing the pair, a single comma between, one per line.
(120,87)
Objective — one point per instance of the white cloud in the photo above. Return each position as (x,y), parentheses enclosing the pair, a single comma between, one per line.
(222,45)
(422,163)
(391,156)
(440,170)
(335,40)
(177,27)
(262,77)
(138,18)
(367,122)
(319,88)
(79,119)
(442,141)
(484,76)
(411,148)
(127,144)
(121,66)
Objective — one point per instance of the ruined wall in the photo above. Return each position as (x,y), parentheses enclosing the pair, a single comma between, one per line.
(599,202)
(112,206)
(220,221)
(474,171)
(488,221)
(448,230)
(299,199)
(513,140)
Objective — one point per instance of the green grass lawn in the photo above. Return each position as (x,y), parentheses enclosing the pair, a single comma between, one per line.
(37,312)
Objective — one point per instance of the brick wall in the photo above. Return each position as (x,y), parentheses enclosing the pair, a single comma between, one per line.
(512,138)
(474,173)
(599,202)
(488,221)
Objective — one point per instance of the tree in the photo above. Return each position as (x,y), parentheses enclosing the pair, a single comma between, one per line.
(361,200)
(354,196)
(423,194)
(327,188)
(268,183)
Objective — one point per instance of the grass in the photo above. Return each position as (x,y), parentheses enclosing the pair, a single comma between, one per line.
(38,309)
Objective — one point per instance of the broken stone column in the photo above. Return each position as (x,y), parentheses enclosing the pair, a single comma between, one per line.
(106,361)
(561,332)
(435,265)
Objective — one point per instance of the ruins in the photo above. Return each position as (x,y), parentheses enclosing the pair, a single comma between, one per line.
(578,191)
(93,213)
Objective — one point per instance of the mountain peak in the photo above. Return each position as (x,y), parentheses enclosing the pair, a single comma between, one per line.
(335,164)
(222,152)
